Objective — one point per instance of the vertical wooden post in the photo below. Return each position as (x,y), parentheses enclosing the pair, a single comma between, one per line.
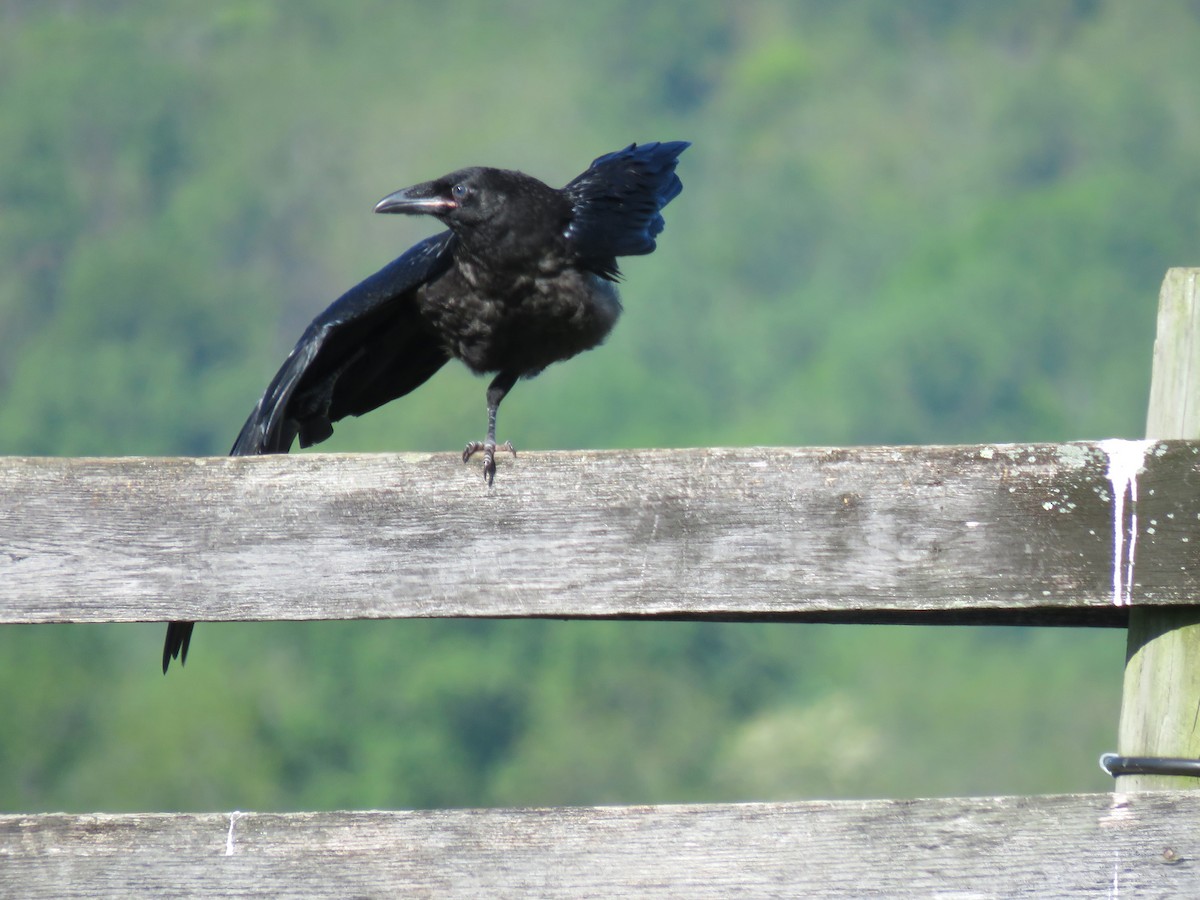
(1160,703)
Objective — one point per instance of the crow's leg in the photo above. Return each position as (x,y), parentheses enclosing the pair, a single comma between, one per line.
(496,391)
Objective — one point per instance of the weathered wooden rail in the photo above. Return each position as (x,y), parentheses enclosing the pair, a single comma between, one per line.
(1096,534)
(1095,845)
(1012,534)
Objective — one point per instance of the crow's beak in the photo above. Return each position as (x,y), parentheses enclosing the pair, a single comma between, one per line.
(415,200)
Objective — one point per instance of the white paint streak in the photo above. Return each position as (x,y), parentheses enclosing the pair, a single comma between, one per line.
(1125,460)
(233,817)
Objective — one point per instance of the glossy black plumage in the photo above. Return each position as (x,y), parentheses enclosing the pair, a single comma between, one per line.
(524,277)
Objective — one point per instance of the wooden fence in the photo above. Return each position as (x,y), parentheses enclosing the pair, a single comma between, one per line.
(1094,534)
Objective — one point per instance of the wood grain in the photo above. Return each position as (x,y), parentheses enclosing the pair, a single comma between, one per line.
(1161,692)
(997,533)
(1059,846)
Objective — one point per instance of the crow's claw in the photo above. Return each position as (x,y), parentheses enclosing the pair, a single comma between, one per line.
(489,449)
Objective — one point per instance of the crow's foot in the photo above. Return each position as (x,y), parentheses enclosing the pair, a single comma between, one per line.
(489,449)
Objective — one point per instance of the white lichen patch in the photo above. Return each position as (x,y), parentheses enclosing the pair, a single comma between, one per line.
(1074,456)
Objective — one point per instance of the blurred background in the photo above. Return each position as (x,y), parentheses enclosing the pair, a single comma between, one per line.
(929,222)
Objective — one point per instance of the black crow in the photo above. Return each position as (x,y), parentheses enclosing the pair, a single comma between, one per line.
(525,276)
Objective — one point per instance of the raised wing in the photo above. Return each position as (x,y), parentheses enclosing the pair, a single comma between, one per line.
(370,346)
(617,203)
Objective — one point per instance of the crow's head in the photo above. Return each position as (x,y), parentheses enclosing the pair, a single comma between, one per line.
(497,205)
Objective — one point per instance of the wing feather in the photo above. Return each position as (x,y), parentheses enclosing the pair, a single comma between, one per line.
(370,346)
(617,203)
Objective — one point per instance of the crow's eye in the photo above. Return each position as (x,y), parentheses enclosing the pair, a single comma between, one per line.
(460,191)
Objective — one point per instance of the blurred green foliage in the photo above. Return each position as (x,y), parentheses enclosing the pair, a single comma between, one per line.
(930,222)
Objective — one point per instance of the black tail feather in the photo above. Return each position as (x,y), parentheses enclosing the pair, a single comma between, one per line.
(179,635)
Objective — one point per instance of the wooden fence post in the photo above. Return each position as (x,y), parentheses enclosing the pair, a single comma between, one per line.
(1160,703)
